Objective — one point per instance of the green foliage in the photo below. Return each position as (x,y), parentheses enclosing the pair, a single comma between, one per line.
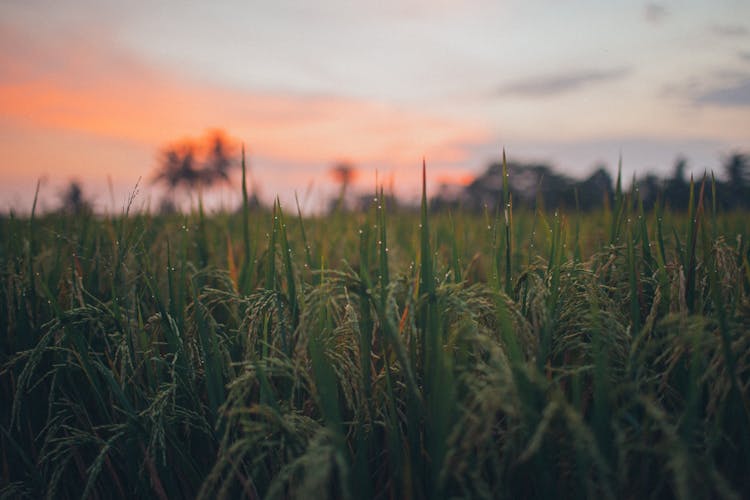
(378,354)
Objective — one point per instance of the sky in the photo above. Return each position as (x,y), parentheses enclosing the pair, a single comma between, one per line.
(93,90)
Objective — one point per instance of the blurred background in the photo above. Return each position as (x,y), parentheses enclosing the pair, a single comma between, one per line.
(328,95)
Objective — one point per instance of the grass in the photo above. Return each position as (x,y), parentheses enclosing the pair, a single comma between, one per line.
(377,355)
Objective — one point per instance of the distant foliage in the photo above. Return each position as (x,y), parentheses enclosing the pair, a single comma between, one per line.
(538,185)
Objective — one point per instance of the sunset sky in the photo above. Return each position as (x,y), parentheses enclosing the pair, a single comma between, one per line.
(92,89)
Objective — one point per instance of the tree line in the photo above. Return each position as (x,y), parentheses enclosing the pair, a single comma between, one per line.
(198,164)
(534,185)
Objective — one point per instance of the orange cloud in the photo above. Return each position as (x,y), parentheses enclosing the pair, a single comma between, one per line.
(132,101)
(322,128)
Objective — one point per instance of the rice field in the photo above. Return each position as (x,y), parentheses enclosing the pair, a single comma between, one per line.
(386,354)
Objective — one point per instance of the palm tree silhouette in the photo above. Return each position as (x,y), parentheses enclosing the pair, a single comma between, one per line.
(182,166)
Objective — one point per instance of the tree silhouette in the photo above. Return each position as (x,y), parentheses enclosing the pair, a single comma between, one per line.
(738,168)
(650,188)
(73,200)
(178,168)
(737,171)
(677,190)
(343,174)
(593,190)
(222,157)
(196,164)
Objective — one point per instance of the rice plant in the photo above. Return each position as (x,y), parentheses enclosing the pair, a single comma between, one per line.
(526,354)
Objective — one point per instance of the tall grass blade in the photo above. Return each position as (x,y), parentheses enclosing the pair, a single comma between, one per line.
(246,271)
